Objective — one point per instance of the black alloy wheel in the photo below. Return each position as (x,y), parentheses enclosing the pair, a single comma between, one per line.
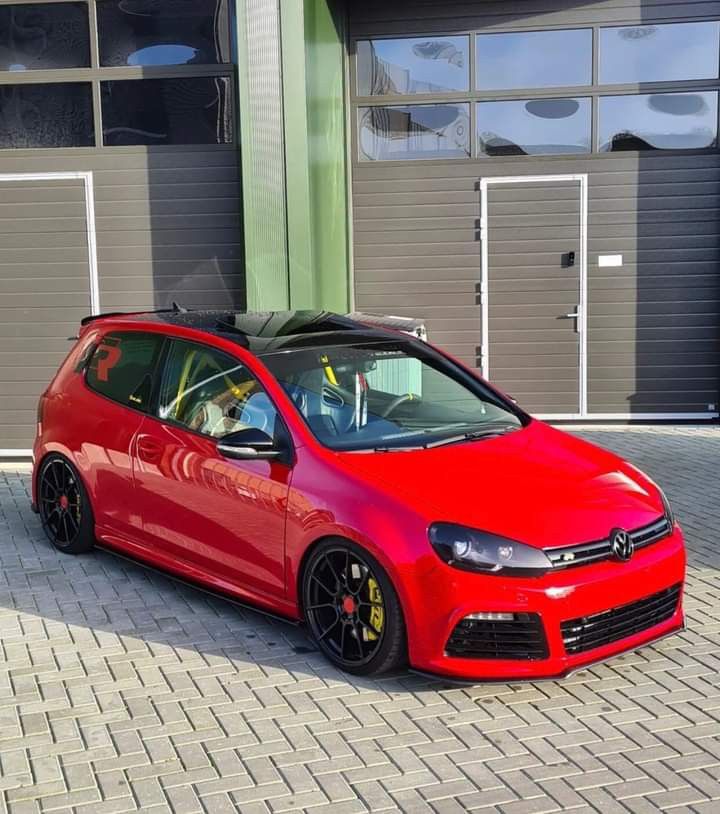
(352,610)
(64,507)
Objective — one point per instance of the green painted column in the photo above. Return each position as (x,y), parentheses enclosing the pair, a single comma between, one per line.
(292,126)
(327,155)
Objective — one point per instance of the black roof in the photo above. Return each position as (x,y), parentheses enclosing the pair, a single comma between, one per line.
(271,331)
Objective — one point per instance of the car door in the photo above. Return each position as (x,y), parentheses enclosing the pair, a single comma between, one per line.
(222,518)
(121,374)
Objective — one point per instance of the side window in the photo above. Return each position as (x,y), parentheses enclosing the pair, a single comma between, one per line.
(123,367)
(212,393)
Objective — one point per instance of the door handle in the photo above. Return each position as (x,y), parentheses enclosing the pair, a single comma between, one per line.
(148,449)
(574,315)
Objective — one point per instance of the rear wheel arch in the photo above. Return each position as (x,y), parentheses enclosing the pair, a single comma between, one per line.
(59,453)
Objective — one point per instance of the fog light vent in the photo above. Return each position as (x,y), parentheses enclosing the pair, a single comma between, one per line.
(491,635)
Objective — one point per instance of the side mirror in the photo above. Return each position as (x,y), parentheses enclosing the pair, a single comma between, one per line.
(249,444)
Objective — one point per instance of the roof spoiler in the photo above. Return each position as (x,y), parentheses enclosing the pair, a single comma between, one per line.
(175,308)
(407,325)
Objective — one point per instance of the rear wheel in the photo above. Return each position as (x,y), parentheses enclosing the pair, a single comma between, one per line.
(352,609)
(65,510)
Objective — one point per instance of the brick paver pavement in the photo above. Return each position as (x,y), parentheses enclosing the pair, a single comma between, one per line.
(121,690)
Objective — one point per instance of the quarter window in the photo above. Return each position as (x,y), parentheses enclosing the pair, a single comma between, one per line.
(35,36)
(658,121)
(412,65)
(414,131)
(534,59)
(535,127)
(123,367)
(209,392)
(659,53)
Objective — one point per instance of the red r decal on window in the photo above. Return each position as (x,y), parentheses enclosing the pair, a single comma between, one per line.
(111,358)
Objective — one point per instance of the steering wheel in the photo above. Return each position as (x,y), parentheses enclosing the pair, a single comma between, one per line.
(396,402)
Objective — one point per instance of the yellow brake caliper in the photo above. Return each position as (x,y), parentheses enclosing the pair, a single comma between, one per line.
(377,612)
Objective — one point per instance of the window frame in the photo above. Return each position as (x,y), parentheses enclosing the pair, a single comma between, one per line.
(95,74)
(594,92)
(97,343)
(281,425)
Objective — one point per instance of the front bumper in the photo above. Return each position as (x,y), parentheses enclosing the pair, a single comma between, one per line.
(556,598)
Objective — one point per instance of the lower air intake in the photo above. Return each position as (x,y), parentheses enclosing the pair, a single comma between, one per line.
(522,639)
(606,627)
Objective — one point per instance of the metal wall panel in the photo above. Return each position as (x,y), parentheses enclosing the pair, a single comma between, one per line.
(653,324)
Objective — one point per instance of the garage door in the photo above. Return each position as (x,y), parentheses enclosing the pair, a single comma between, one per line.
(445,96)
(45,289)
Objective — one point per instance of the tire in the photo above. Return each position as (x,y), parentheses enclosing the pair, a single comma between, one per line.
(65,511)
(352,609)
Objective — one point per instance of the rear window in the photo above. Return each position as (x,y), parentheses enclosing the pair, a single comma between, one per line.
(123,367)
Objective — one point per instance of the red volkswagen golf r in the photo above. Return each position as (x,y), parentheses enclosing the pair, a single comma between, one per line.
(360,480)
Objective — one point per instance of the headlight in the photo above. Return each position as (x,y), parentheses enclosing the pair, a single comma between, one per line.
(474,550)
(669,514)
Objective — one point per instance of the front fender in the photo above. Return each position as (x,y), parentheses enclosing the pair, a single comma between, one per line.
(340,504)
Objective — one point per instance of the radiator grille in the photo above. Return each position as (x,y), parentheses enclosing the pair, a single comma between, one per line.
(570,556)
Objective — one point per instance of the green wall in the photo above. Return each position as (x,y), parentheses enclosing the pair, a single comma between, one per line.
(292,144)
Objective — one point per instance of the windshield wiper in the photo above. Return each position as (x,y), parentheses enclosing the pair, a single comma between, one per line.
(474,435)
(412,448)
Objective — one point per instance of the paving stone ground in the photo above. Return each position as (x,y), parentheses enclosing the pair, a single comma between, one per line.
(121,690)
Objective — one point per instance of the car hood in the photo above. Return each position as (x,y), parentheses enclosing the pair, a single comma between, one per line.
(537,485)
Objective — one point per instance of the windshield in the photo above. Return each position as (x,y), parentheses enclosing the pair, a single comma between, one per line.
(389,395)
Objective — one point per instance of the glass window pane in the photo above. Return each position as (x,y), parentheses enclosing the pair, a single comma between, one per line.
(123,367)
(534,59)
(212,393)
(37,36)
(406,132)
(173,32)
(659,121)
(538,127)
(166,111)
(57,115)
(659,53)
(417,65)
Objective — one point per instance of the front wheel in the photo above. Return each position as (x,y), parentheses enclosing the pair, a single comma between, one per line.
(352,609)
(64,506)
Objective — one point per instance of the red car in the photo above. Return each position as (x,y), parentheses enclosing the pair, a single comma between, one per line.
(360,480)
